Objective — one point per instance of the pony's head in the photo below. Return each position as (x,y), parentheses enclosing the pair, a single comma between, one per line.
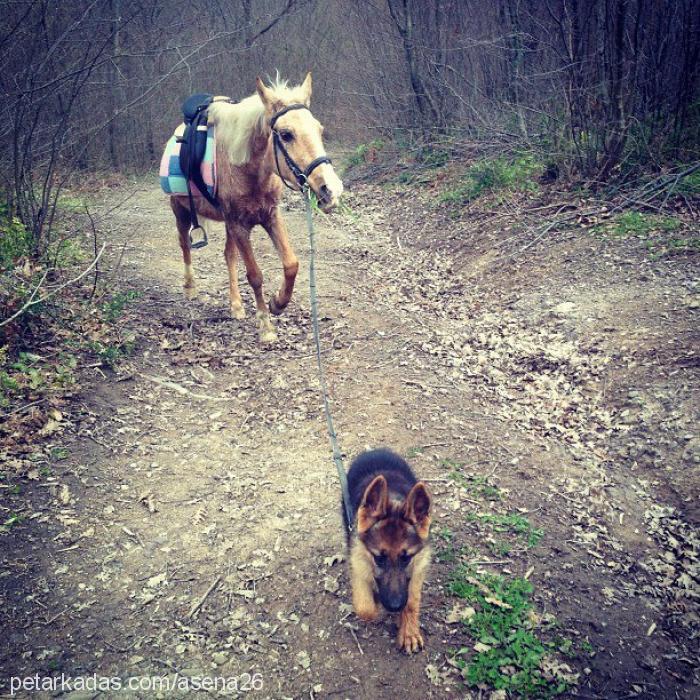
(299,135)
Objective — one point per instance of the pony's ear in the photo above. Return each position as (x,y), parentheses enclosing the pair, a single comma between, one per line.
(306,89)
(417,509)
(374,504)
(266,95)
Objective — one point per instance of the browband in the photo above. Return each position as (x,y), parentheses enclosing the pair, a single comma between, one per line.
(283,111)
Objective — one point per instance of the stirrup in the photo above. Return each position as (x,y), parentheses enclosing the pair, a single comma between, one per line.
(204,240)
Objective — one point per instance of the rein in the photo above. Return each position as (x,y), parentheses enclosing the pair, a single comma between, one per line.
(337,455)
(301,176)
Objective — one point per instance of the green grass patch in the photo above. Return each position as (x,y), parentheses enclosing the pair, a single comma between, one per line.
(500,548)
(113,309)
(71,203)
(511,523)
(112,353)
(11,521)
(447,550)
(509,654)
(414,452)
(672,247)
(433,156)
(494,175)
(636,223)
(64,253)
(29,374)
(475,484)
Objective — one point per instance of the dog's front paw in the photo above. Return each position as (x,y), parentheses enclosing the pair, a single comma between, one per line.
(363,602)
(409,638)
(368,612)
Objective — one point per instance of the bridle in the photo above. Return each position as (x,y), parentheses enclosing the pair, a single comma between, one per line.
(301,176)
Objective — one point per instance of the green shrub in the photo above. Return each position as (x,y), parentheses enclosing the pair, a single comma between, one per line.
(113,309)
(363,153)
(690,184)
(432,156)
(15,240)
(495,175)
(29,374)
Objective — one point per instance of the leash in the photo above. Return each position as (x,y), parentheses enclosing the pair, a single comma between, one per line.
(337,456)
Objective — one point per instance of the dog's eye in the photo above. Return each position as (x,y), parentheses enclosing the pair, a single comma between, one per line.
(380,560)
(287,136)
(405,558)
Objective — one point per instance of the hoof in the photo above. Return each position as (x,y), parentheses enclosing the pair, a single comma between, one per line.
(237,311)
(267,332)
(190,292)
(275,308)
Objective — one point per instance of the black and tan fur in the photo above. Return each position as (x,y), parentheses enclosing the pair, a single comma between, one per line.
(389,551)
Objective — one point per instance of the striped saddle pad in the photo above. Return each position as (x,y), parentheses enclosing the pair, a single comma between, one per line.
(173,180)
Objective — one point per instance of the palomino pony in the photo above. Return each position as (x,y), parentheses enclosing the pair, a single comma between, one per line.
(259,141)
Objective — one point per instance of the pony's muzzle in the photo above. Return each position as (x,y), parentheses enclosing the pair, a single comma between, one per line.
(327,188)
(325,196)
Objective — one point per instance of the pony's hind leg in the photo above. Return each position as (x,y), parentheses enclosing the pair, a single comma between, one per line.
(231,255)
(265,328)
(277,231)
(183,222)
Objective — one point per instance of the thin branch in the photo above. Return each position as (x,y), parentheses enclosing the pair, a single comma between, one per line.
(32,301)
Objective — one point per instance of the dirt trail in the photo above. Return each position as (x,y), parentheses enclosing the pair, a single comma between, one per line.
(198,476)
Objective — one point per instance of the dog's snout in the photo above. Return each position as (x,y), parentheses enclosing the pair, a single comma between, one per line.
(395,603)
(393,598)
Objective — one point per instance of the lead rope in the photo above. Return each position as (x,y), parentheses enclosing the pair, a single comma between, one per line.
(337,457)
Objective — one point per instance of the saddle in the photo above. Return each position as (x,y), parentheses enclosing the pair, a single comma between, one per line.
(193,144)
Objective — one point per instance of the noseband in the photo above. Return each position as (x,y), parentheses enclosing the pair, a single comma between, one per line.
(302,176)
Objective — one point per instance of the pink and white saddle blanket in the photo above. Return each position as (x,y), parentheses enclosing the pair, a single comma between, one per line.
(173,180)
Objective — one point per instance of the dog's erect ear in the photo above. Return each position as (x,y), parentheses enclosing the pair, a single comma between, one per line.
(306,89)
(374,504)
(417,509)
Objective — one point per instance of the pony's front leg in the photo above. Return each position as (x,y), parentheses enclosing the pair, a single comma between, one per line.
(255,278)
(277,230)
(231,255)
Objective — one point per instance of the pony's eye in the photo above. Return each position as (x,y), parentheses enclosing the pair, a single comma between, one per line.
(287,136)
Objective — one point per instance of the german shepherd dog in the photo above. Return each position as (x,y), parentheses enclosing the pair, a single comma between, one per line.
(389,552)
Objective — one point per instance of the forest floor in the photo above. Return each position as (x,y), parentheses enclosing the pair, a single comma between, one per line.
(185,520)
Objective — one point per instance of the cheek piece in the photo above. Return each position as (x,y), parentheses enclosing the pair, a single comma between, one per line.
(301,176)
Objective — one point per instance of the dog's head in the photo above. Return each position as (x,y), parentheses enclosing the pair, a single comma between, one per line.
(395,535)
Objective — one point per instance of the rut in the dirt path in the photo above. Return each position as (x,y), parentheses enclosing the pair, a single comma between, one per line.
(194,528)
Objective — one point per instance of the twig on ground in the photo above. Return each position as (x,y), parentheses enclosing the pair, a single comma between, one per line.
(182,390)
(201,601)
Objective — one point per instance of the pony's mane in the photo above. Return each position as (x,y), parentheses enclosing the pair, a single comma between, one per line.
(238,124)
